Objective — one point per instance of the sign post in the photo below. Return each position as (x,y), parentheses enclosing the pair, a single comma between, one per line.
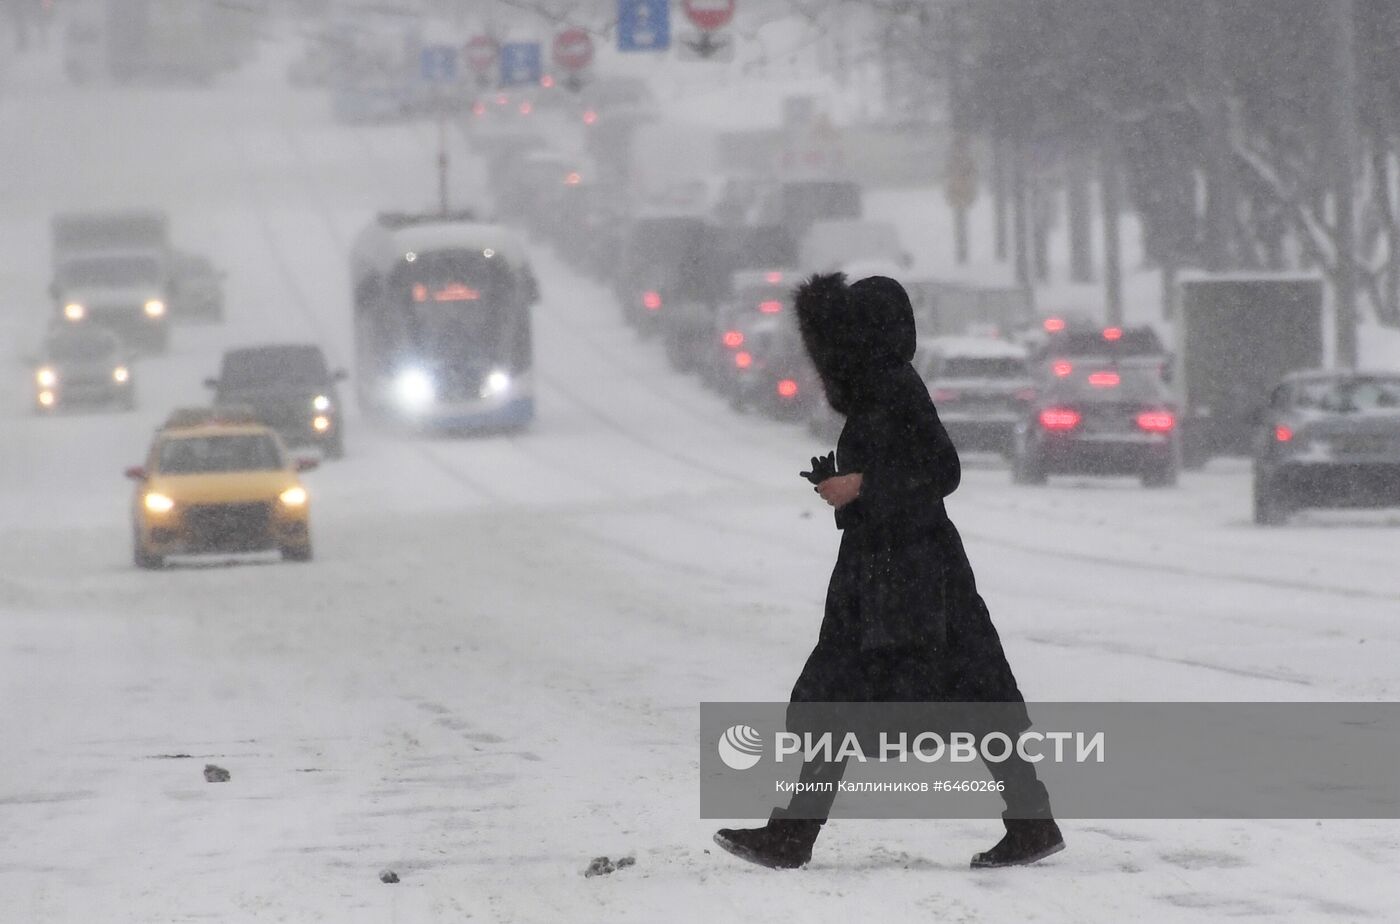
(437,67)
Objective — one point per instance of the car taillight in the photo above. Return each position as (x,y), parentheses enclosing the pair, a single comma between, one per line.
(573,179)
(1059,418)
(651,301)
(478,108)
(774,277)
(1062,368)
(787,388)
(944,394)
(589,117)
(770,306)
(733,339)
(526,108)
(547,81)
(1113,333)
(743,360)
(1054,325)
(1283,433)
(1104,379)
(1156,421)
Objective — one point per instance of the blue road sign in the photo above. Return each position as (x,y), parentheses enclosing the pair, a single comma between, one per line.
(643,25)
(522,63)
(438,63)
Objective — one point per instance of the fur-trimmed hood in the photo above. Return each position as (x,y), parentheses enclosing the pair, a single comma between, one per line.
(854,333)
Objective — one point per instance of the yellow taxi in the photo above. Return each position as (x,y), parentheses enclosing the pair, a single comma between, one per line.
(218,481)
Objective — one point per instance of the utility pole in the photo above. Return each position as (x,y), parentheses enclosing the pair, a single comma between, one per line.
(1021,215)
(1110,173)
(1344,176)
(1220,186)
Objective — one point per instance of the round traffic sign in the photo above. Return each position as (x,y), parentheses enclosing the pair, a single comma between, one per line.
(481,52)
(708,15)
(573,49)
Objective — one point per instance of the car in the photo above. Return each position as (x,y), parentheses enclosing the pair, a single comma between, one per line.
(290,388)
(981,387)
(1328,439)
(668,266)
(198,290)
(83,365)
(216,480)
(757,298)
(1099,420)
(1065,345)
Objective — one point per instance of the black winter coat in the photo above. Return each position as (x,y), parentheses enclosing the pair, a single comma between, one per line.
(904,621)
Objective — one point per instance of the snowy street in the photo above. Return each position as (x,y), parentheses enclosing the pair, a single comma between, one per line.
(491,672)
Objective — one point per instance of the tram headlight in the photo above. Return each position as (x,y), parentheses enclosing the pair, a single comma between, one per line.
(497,383)
(414,389)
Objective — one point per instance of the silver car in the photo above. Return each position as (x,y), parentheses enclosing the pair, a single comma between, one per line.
(83,365)
(1328,439)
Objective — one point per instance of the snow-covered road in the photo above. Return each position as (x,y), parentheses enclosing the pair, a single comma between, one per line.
(491,673)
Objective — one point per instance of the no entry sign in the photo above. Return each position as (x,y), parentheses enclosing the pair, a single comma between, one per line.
(572,49)
(708,15)
(481,52)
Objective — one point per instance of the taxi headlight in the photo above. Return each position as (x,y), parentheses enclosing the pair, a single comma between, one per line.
(46,377)
(159,503)
(294,496)
(121,375)
(155,308)
(74,311)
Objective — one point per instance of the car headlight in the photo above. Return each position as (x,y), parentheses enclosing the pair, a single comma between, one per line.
(121,375)
(47,398)
(321,403)
(294,496)
(74,311)
(159,503)
(320,423)
(46,377)
(155,308)
(414,389)
(496,383)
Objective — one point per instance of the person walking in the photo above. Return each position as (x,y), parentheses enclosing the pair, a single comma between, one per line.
(904,621)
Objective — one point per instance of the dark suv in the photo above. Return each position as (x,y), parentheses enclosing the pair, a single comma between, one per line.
(290,389)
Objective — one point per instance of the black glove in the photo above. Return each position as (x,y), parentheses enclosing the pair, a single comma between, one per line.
(822,468)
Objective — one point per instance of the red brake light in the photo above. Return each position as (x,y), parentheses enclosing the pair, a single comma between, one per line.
(547,81)
(1062,368)
(944,394)
(1156,421)
(526,108)
(743,360)
(651,301)
(1283,433)
(1104,379)
(456,292)
(733,339)
(502,100)
(589,117)
(1054,325)
(573,179)
(787,388)
(773,277)
(770,306)
(1113,333)
(1059,418)
(478,108)
(420,292)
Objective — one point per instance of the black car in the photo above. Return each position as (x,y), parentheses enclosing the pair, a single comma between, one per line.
(1067,345)
(1102,420)
(1328,439)
(290,389)
(83,366)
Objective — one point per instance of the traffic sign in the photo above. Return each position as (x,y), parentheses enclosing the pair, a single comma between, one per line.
(643,25)
(438,63)
(708,15)
(481,52)
(521,63)
(572,49)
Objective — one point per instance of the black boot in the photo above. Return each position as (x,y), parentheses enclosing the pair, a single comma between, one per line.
(1027,840)
(783,843)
